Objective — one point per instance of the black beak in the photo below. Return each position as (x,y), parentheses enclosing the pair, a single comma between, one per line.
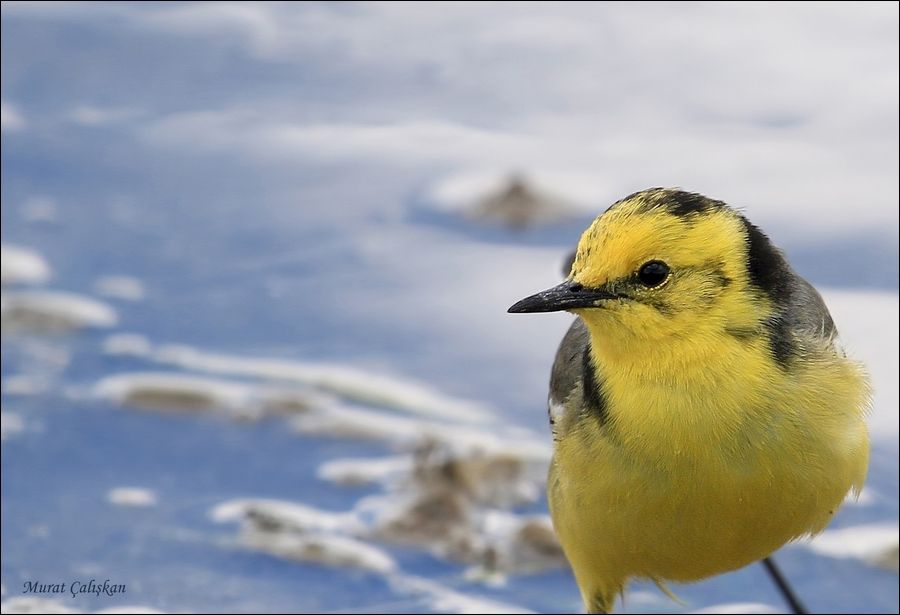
(567,296)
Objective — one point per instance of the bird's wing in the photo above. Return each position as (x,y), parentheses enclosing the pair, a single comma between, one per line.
(807,313)
(567,375)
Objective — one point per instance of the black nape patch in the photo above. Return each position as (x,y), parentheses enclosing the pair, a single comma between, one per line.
(770,273)
(767,268)
(781,342)
(594,400)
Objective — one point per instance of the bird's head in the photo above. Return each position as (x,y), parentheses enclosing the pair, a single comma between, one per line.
(663,265)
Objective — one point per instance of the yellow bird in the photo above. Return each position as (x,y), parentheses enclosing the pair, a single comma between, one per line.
(703,412)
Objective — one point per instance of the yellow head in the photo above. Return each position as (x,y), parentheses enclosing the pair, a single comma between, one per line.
(665,268)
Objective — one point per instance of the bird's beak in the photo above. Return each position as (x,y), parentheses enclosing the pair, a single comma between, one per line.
(569,295)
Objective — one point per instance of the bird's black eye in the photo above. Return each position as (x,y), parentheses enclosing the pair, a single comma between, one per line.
(653,273)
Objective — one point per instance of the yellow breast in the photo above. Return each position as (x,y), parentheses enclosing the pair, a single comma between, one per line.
(708,471)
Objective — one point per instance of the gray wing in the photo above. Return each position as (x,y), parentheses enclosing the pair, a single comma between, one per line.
(576,391)
(566,374)
(807,313)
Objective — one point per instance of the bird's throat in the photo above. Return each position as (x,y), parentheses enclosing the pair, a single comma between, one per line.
(695,389)
(679,360)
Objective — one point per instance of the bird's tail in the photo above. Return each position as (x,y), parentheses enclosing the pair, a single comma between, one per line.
(602,600)
(668,592)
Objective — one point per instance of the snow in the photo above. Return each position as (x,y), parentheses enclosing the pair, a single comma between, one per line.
(298,532)
(348,382)
(442,599)
(364,471)
(172,391)
(127,344)
(866,542)
(54,311)
(20,265)
(330,549)
(283,516)
(11,424)
(134,497)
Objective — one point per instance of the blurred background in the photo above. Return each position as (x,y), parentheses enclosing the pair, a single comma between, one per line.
(257,257)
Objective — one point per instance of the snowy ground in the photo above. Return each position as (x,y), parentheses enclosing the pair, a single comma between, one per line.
(253,360)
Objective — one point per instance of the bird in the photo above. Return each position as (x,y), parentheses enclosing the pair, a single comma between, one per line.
(702,408)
